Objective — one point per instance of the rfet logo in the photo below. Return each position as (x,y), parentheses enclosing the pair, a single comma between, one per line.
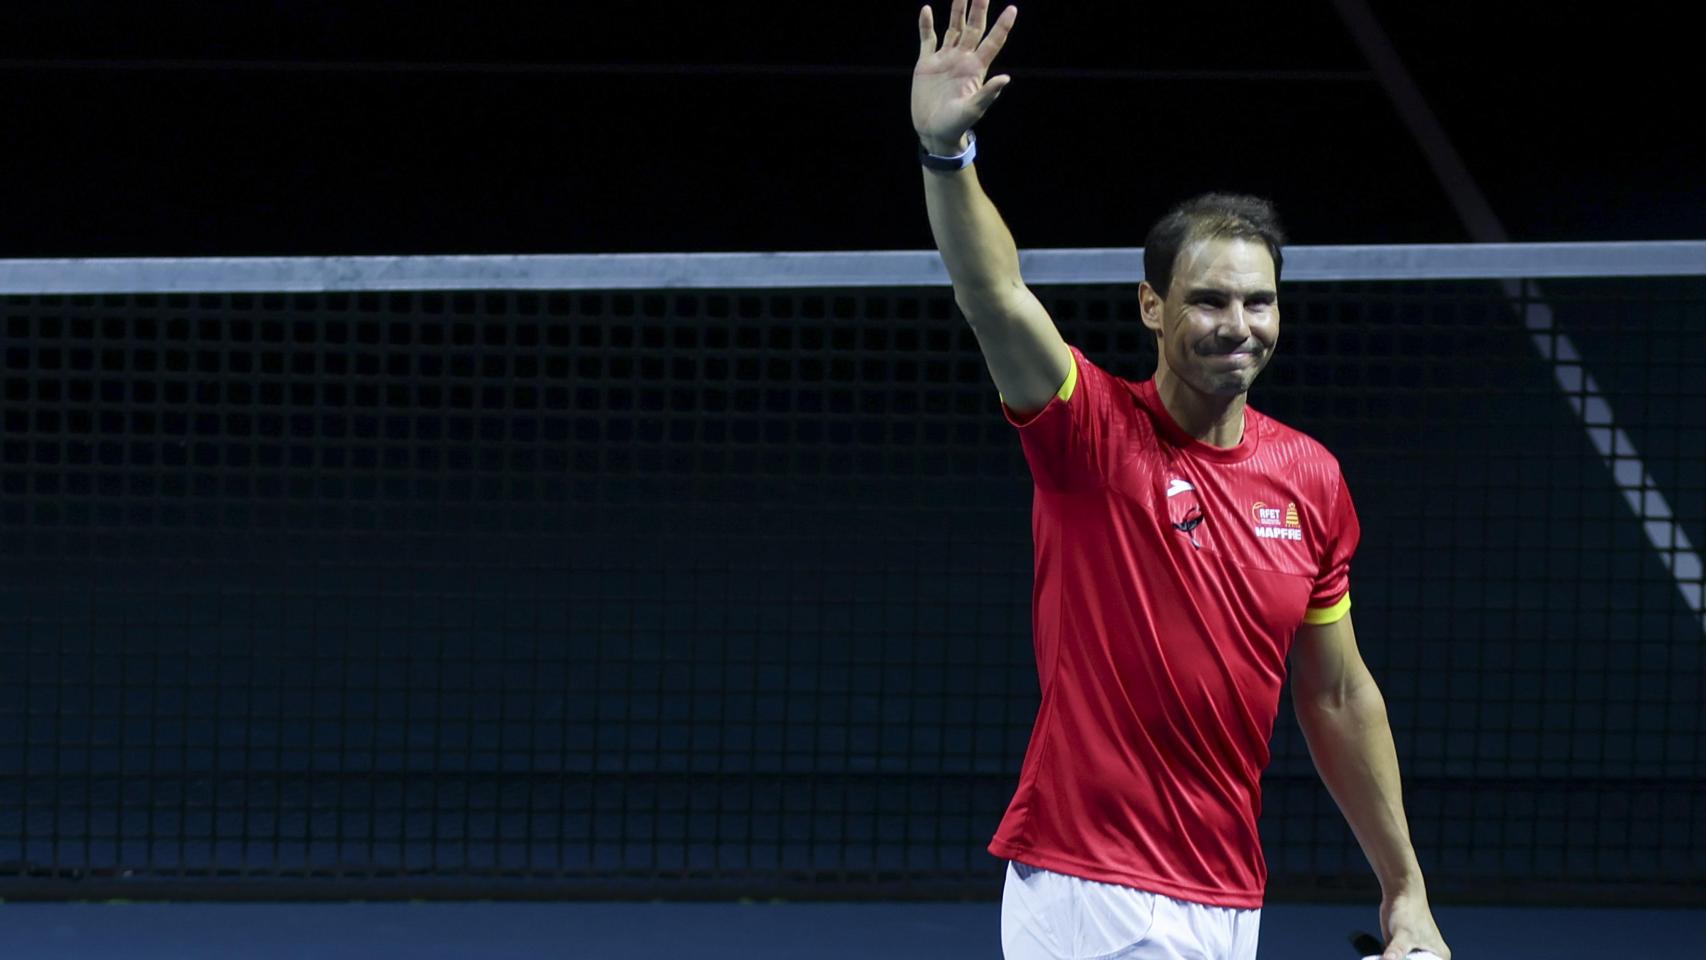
(1275,524)
(1183,510)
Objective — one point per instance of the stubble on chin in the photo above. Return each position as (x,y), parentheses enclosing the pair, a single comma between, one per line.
(1232,386)
(1228,383)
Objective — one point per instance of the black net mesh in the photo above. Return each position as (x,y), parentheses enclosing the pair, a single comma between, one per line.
(727,593)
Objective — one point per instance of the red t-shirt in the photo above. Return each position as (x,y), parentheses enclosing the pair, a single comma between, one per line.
(1170,578)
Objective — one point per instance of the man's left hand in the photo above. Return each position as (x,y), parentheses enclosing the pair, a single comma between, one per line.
(1409,925)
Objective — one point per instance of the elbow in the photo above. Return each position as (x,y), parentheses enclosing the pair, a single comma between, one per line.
(1316,710)
(1352,690)
(990,304)
(1356,704)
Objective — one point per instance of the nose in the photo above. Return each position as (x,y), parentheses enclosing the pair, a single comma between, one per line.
(1235,325)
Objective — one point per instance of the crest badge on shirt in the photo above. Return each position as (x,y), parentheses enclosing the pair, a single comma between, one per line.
(1272,523)
(1184,511)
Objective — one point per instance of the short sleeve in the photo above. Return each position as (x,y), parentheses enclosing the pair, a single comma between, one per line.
(1330,599)
(1067,442)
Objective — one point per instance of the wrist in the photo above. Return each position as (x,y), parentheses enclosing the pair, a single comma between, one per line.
(949,162)
(950,147)
(1408,885)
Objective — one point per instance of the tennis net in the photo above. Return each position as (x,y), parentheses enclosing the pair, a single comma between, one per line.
(709,575)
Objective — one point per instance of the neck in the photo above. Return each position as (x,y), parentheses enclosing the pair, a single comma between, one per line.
(1213,419)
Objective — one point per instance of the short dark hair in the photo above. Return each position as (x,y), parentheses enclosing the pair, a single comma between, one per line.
(1206,217)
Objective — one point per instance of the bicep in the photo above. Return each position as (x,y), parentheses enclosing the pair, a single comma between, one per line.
(1326,666)
(1027,357)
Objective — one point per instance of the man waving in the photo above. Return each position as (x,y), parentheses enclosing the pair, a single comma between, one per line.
(1185,546)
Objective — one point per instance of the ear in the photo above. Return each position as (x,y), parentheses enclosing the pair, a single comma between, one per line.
(1150,305)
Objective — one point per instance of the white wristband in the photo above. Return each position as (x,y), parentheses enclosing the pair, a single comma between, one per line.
(958,161)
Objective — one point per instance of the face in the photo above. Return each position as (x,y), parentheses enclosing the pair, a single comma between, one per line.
(1220,320)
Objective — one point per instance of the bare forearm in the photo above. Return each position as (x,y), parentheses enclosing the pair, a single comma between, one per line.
(1027,358)
(976,246)
(1350,739)
(1344,719)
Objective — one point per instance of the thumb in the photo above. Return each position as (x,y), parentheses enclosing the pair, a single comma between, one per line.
(991,89)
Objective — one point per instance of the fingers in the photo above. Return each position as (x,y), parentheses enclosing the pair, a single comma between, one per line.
(1412,938)
(956,24)
(967,20)
(926,32)
(1408,948)
(997,38)
(976,19)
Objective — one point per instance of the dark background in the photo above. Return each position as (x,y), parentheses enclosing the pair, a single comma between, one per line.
(350,128)
(725,593)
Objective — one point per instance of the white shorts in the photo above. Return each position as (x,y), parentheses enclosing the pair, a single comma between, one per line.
(1051,916)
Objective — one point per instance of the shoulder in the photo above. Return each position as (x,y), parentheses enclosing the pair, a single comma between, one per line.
(1307,469)
(1290,451)
(1126,394)
(1088,367)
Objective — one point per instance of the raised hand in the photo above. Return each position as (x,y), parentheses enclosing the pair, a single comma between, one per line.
(949,92)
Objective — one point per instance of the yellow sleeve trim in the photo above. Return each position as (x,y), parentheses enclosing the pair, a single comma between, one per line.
(1332,614)
(1065,391)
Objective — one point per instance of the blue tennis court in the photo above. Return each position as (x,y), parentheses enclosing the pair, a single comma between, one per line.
(648,931)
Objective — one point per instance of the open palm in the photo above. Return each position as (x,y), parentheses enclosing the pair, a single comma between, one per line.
(949,92)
